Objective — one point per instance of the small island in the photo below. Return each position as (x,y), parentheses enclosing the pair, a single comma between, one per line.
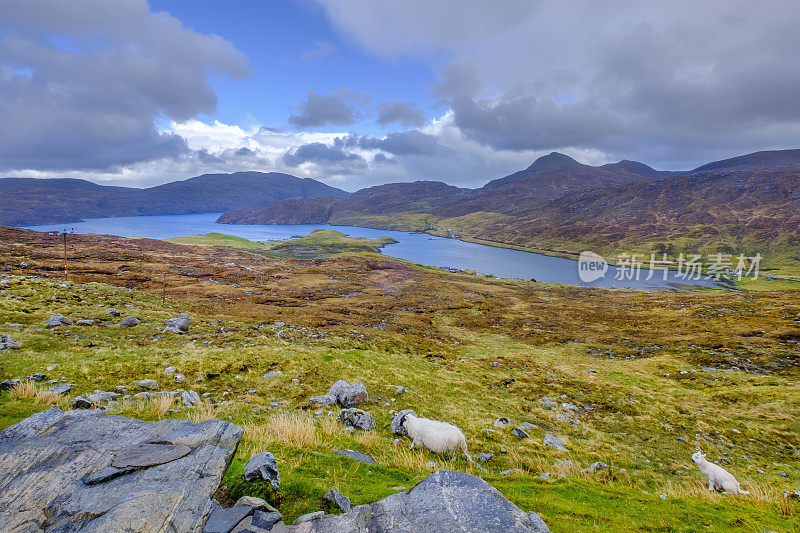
(319,243)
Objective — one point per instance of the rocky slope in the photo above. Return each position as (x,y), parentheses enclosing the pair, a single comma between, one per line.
(39,201)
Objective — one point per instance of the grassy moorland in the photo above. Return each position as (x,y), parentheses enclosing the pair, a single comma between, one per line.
(653,376)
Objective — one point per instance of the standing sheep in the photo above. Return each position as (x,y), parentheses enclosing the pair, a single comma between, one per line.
(436,436)
(718,477)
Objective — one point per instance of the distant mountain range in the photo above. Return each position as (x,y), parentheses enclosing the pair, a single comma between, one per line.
(41,201)
(743,204)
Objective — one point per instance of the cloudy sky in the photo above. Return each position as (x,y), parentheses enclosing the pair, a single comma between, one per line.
(361,92)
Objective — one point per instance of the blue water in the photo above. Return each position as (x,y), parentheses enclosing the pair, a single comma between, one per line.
(417,247)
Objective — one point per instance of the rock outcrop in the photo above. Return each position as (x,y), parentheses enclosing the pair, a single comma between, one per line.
(444,502)
(88,471)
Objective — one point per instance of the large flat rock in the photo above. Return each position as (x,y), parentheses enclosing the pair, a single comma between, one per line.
(444,502)
(87,471)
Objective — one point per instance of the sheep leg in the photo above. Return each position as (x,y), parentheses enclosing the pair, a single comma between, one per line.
(710,485)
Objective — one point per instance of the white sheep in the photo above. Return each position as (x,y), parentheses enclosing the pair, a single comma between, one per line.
(718,477)
(436,436)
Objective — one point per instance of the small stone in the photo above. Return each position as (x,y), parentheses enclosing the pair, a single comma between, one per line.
(113,312)
(84,322)
(79,402)
(338,500)
(100,396)
(683,439)
(178,378)
(263,466)
(662,496)
(554,442)
(545,475)
(62,389)
(170,370)
(484,457)
(270,374)
(508,472)
(569,406)
(596,466)
(150,384)
(528,426)
(519,433)
(255,503)
(502,422)
(36,377)
(783,474)
(129,322)
(190,398)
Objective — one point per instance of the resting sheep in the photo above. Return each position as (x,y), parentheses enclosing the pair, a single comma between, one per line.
(436,436)
(718,477)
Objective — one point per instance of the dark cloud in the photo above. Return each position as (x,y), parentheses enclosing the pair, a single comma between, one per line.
(91,104)
(412,142)
(398,112)
(675,84)
(332,159)
(340,108)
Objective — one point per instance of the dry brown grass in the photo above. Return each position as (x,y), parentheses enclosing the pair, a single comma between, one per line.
(284,428)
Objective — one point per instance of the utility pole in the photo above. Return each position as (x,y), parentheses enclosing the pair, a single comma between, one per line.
(66,264)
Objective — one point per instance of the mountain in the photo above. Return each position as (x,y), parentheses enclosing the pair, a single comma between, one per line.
(39,201)
(765,159)
(388,199)
(744,204)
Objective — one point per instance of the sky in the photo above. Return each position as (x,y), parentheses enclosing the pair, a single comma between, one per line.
(357,93)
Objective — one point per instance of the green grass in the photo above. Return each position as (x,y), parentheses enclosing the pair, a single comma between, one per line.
(638,407)
(219,239)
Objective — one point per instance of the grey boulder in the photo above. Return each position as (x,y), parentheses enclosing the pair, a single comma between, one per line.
(337,500)
(190,398)
(62,388)
(88,471)
(266,519)
(150,384)
(58,320)
(129,322)
(225,520)
(553,442)
(397,422)
(344,394)
(7,342)
(180,323)
(262,466)
(444,502)
(356,418)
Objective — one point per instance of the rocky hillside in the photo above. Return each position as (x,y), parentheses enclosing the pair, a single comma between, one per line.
(40,201)
(748,204)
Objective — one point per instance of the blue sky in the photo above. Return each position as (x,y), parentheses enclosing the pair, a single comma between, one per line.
(360,92)
(282,41)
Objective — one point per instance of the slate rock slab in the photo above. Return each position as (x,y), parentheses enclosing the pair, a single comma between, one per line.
(173,469)
(225,520)
(361,457)
(444,502)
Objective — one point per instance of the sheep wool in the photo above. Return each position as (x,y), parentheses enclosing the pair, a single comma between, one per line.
(436,436)
(718,477)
